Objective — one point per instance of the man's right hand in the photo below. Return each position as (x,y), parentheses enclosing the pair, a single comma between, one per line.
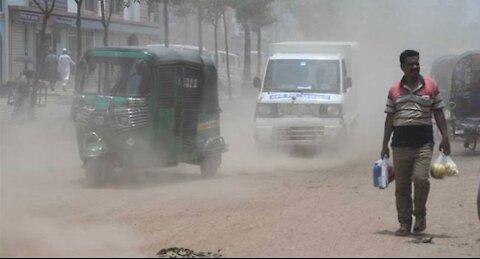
(385,152)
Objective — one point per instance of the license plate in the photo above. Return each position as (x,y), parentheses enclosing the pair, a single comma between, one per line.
(459,132)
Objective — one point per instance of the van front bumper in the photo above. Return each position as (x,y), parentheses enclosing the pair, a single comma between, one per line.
(299,131)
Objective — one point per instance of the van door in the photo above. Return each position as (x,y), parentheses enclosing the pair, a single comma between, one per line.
(349,105)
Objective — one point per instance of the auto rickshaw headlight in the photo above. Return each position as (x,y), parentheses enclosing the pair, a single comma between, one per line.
(123,121)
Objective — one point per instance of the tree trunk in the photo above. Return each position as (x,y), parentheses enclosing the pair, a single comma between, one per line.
(228,59)
(200,41)
(105,37)
(259,50)
(215,36)
(106,22)
(247,73)
(79,30)
(40,55)
(165,22)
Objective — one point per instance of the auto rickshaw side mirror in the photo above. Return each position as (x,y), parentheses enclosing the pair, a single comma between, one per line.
(257,83)
(142,68)
(452,105)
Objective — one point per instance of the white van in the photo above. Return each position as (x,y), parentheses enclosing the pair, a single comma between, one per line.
(306,96)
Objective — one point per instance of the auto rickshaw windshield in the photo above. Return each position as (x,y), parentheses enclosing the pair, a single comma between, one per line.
(116,76)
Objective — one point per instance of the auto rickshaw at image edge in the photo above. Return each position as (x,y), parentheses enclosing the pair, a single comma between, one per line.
(146,107)
(465,98)
(459,79)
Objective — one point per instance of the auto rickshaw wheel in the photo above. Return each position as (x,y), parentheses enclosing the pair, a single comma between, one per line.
(96,169)
(210,163)
(478,202)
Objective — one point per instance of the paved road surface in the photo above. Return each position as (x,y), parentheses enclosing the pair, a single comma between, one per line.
(260,205)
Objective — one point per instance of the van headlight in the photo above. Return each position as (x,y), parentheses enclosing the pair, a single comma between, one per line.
(266,110)
(333,111)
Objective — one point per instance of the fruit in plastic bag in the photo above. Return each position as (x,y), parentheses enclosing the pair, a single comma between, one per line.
(438,171)
(451,169)
(444,166)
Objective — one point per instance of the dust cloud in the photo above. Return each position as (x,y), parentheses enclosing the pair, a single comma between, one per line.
(34,237)
(46,210)
(383,29)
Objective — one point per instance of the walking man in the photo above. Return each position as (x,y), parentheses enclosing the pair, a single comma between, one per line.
(410,105)
(64,66)
(51,67)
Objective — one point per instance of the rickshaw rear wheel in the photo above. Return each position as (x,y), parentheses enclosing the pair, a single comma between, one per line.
(478,202)
(96,169)
(210,163)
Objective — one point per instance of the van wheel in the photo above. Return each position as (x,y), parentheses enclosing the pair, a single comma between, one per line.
(96,169)
(210,163)
(303,152)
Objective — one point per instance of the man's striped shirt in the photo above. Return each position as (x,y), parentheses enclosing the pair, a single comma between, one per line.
(412,112)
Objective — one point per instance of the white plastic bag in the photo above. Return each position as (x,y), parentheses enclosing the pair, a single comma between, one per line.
(443,166)
(383,181)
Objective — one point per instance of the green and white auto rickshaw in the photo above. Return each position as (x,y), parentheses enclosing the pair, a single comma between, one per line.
(146,107)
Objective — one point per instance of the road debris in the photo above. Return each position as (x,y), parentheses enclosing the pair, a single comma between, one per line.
(186,253)
(422,240)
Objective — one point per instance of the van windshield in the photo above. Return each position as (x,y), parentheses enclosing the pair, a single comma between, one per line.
(322,76)
(115,76)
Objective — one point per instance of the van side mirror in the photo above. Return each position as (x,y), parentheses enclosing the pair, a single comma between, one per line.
(347,82)
(257,83)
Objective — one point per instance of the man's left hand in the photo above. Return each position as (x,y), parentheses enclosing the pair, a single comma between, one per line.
(445,146)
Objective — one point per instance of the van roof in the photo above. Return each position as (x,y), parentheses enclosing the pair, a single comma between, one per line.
(313,56)
(229,53)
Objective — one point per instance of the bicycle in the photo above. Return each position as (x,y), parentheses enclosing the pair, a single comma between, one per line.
(20,93)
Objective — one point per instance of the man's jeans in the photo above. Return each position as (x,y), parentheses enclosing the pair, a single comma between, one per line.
(412,165)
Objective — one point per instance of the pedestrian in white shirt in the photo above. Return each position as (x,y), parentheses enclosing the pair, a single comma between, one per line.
(64,64)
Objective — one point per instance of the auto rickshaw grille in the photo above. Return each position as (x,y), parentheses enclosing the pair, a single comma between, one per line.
(166,80)
(191,106)
(131,118)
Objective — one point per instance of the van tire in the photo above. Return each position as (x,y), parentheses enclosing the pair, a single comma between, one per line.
(210,163)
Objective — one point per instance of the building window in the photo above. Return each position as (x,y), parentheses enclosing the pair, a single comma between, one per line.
(90,5)
(117,6)
(153,11)
(153,6)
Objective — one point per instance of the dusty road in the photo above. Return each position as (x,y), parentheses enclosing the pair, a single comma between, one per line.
(274,206)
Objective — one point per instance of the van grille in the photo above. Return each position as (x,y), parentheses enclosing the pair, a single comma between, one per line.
(298,133)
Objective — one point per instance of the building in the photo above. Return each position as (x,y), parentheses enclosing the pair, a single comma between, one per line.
(21,22)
